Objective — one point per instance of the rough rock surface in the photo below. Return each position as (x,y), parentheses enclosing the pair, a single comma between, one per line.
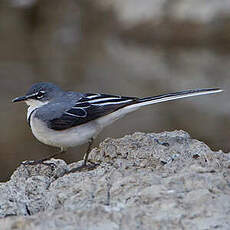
(144,181)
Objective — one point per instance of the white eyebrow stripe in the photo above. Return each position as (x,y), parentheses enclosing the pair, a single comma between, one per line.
(35,94)
(103,99)
(113,103)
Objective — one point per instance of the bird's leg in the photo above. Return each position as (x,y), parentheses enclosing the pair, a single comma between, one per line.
(42,161)
(88,151)
(85,165)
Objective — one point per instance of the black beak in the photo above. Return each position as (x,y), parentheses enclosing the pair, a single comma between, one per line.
(17,99)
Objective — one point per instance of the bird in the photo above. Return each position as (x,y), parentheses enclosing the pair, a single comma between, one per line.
(66,119)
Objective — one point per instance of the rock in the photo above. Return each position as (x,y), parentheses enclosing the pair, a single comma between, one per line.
(144,181)
(24,194)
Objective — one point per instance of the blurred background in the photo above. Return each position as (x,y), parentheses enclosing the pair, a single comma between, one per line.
(127,47)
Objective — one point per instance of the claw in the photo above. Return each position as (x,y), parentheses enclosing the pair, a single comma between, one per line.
(87,167)
(52,165)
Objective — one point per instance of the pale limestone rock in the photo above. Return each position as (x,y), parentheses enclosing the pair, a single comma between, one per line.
(144,181)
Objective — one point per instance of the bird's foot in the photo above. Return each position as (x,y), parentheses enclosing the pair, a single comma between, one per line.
(85,167)
(37,162)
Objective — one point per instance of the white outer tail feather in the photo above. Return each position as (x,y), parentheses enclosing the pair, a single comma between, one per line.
(108,119)
(174,97)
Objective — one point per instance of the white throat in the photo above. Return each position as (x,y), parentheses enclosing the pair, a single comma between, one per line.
(34,104)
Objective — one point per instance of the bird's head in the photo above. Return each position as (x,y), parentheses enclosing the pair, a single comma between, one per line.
(39,94)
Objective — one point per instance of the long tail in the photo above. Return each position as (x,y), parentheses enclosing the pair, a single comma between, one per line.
(173,96)
(153,100)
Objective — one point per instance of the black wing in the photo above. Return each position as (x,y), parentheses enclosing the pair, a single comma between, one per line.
(88,108)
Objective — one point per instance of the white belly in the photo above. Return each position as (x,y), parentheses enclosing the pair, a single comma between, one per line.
(63,138)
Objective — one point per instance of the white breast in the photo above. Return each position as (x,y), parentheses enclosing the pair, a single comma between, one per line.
(33,104)
(63,138)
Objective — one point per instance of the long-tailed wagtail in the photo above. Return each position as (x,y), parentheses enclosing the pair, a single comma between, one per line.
(66,119)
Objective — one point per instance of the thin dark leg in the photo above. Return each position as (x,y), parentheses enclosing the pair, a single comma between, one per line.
(85,165)
(42,161)
(88,151)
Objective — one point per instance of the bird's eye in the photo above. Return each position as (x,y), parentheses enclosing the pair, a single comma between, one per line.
(40,94)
